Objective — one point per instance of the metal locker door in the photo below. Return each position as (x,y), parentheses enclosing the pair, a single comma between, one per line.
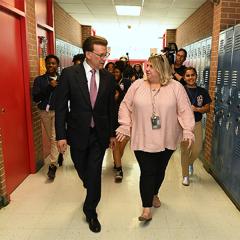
(227,127)
(198,58)
(219,112)
(235,78)
(202,62)
(227,67)
(206,71)
(221,51)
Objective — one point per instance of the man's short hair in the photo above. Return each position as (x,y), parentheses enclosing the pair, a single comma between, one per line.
(52,56)
(78,57)
(183,50)
(90,41)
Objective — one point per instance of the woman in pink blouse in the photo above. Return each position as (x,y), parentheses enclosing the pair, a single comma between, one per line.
(156,114)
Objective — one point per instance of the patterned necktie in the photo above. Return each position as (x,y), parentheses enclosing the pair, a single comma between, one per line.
(93,91)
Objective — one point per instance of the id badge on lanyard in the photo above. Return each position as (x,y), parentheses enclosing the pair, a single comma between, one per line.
(48,105)
(47,108)
(155,119)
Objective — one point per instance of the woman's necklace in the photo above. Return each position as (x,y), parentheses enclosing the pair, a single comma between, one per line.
(154,87)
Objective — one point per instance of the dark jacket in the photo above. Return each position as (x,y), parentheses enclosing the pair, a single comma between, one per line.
(43,93)
(122,88)
(74,124)
(180,71)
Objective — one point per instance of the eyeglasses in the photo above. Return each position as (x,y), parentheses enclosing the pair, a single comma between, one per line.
(102,55)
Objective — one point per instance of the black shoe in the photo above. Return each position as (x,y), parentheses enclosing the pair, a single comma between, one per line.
(60,159)
(94,224)
(119,175)
(52,171)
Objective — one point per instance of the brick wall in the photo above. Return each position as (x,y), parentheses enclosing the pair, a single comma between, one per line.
(86,32)
(34,71)
(66,27)
(197,26)
(170,36)
(212,83)
(230,13)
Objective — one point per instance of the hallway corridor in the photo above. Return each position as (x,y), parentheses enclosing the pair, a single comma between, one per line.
(40,210)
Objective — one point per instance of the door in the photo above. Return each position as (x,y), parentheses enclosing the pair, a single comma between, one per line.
(13,121)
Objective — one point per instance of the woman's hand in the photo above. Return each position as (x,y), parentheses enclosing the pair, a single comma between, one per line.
(189,140)
(120,136)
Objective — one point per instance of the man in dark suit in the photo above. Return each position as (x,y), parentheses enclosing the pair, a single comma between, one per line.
(88,124)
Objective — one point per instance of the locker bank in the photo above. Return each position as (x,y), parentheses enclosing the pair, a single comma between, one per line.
(33,208)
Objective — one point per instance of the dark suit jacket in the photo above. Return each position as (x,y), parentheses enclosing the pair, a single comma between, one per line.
(74,124)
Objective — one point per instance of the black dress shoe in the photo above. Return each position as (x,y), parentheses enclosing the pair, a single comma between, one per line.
(94,224)
(51,171)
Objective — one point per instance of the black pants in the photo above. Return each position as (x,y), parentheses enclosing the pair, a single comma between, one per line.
(88,163)
(152,167)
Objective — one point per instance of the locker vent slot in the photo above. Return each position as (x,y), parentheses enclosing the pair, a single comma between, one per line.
(221,48)
(237,43)
(219,74)
(229,45)
(226,78)
(234,78)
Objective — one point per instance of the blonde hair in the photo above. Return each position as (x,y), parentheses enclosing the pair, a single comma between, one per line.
(161,65)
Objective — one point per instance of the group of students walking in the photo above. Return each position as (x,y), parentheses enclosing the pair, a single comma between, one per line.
(95,109)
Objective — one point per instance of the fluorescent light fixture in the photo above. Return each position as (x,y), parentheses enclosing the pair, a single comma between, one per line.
(128,10)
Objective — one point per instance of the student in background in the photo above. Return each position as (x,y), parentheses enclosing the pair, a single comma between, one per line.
(110,67)
(122,85)
(200,101)
(138,72)
(44,93)
(178,67)
(78,58)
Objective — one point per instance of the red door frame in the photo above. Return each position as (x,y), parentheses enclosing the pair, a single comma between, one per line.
(48,27)
(22,18)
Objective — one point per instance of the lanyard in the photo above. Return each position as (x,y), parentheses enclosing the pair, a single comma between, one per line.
(154,93)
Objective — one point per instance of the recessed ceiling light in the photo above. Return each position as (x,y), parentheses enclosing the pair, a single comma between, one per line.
(128,10)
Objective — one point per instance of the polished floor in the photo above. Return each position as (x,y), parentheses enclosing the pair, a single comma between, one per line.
(42,210)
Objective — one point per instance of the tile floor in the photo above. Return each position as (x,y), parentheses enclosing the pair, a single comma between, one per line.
(40,210)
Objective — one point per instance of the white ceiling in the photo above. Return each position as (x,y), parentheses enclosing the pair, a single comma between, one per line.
(131,32)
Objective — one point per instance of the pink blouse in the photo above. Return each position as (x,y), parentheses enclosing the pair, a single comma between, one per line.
(173,107)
